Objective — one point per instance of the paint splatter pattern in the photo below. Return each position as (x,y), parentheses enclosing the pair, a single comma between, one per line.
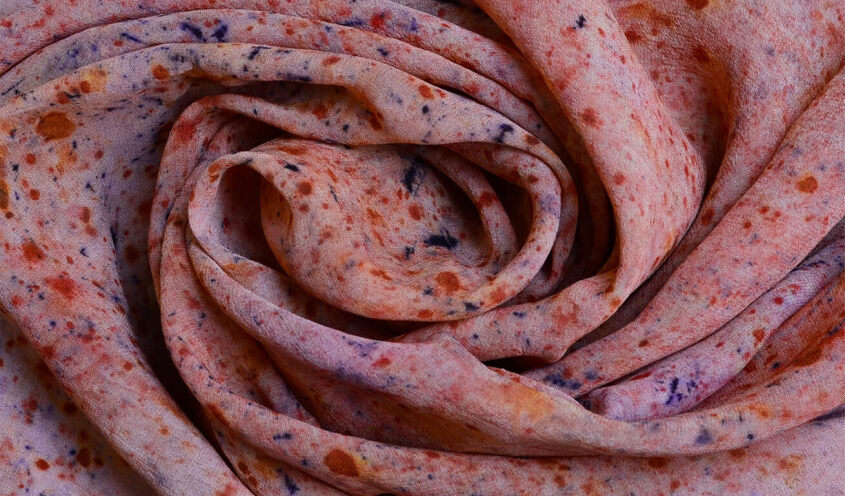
(422,247)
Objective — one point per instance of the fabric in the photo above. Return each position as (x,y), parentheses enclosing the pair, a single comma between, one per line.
(422,247)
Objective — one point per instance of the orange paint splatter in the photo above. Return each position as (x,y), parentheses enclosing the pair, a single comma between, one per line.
(62,285)
(591,118)
(55,125)
(341,462)
(304,188)
(415,211)
(160,72)
(808,185)
(448,281)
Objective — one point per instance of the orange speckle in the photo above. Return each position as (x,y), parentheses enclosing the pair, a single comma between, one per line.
(85,87)
(304,188)
(331,60)
(758,335)
(381,273)
(381,362)
(320,111)
(808,185)
(341,462)
(160,72)
(42,464)
(643,343)
(449,281)
(424,314)
(30,158)
(34,194)
(55,125)
(426,92)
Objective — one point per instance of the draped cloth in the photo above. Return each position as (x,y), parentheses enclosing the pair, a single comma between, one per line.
(422,247)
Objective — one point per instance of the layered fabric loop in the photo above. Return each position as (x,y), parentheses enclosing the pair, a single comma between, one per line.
(422,247)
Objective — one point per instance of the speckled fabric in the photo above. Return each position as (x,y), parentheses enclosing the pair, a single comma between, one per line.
(422,247)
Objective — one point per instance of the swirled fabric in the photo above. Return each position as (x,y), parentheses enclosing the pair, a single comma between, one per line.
(422,247)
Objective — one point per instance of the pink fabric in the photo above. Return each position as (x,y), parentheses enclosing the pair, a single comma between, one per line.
(422,247)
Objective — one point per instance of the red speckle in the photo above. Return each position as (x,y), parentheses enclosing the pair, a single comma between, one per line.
(34,194)
(643,343)
(674,485)
(778,300)
(334,59)
(415,211)
(618,178)
(758,335)
(42,464)
(591,118)
(377,21)
(486,199)
(30,158)
(32,252)
(62,285)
